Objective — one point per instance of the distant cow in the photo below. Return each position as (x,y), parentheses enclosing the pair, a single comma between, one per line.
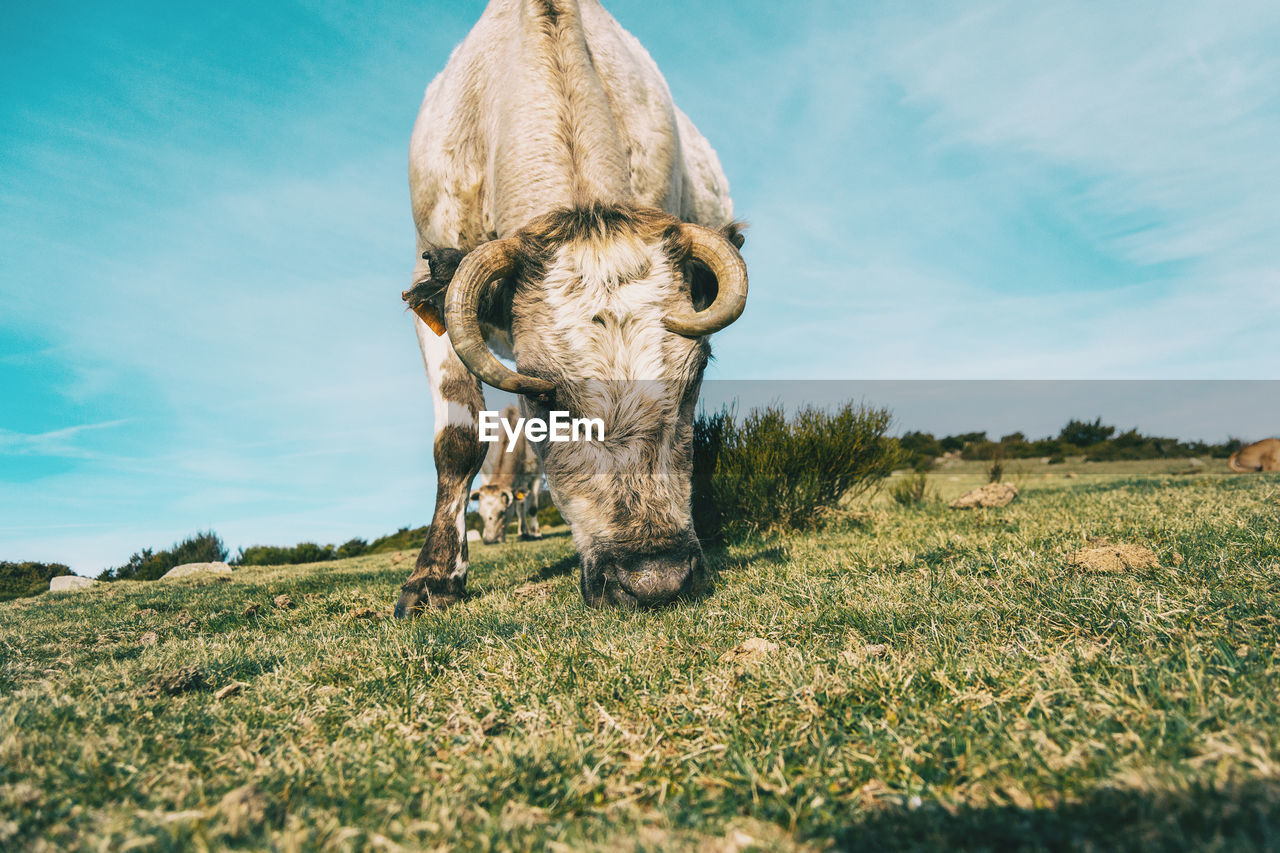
(511,481)
(1260,456)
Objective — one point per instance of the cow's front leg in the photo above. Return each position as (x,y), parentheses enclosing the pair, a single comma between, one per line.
(440,576)
(529,511)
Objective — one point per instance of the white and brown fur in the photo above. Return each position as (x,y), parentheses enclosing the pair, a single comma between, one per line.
(551,122)
(511,484)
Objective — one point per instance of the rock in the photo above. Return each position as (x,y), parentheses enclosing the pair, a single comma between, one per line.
(284,601)
(67,583)
(250,609)
(992,494)
(196,568)
(473,535)
(1111,559)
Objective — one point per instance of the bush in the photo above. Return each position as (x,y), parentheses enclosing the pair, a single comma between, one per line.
(276,555)
(147,565)
(1085,434)
(19,580)
(911,491)
(771,473)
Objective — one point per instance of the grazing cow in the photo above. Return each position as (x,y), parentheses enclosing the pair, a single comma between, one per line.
(1260,456)
(570,217)
(511,480)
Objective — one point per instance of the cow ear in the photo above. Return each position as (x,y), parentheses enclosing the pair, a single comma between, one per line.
(475,496)
(431,281)
(506,497)
(733,233)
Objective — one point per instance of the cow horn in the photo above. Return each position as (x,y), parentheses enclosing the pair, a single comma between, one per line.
(490,262)
(730,271)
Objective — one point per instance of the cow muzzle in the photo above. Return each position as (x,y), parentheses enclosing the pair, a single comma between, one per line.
(644,580)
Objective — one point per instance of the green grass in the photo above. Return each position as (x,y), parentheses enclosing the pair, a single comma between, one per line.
(942,680)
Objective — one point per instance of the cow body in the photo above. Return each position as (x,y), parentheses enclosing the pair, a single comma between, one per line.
(1260,456)
(552,133)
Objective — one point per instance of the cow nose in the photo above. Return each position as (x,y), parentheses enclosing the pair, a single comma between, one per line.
(660,577)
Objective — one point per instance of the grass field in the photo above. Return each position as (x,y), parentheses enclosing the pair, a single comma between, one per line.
(913,677)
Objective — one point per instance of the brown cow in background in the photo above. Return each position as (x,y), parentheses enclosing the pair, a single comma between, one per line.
(1260,456)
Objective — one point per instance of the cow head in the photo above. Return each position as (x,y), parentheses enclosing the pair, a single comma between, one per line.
(609,308)
(493,502)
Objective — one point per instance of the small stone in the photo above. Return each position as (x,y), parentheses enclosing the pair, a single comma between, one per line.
(230,689)
(251,608)
(68,583)
(992,494)
(284,601)
(197,568)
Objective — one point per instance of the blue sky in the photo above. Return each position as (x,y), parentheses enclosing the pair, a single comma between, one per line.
(206,230)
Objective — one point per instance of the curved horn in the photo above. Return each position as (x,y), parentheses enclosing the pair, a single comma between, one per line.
(730,271)
(492,261)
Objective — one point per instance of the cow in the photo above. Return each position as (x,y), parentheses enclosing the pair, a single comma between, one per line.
(1260,456)
(569,217)
(511,484)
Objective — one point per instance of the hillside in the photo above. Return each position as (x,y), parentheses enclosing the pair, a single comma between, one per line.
(915,677)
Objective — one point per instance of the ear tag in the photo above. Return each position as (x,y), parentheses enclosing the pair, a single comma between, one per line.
(428,314)
(519,496)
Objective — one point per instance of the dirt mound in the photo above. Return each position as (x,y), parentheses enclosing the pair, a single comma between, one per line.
(992,494)
(1112,559)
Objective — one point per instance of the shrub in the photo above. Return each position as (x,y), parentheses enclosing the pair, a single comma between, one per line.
(911,491)
(1085,434)
(351,548)
(771,473)
(276,555)
(404,539)
(19,580)
(147,565)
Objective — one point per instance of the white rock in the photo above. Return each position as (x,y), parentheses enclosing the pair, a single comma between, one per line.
(66,583)
(196,568)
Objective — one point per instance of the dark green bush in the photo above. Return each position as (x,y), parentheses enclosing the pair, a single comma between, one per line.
(772,473)
(147,565)
(1085,434)
(911,491)
(276,555)
(18,580)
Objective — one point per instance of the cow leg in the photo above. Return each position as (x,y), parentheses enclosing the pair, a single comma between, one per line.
(529,511)
(440,575)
